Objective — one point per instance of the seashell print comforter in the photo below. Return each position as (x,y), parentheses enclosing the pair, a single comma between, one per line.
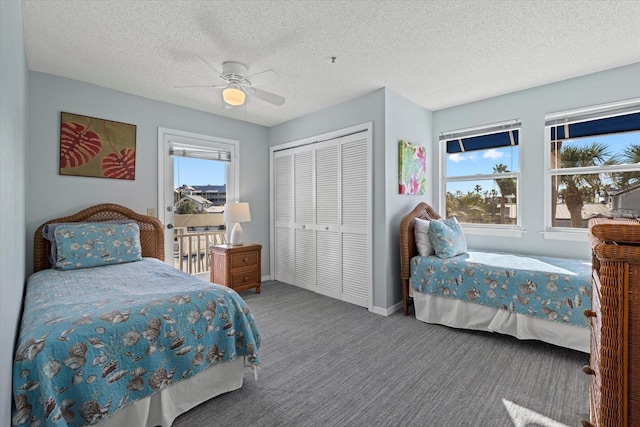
(554,289)
(94,340)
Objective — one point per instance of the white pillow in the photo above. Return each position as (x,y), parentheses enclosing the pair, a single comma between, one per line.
(422,237)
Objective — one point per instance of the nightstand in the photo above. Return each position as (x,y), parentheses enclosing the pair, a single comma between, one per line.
(237,267)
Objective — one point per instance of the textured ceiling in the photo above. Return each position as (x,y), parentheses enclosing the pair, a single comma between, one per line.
(437,53)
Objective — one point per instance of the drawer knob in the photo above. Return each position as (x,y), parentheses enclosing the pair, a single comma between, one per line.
(245,259)
(245,278)
(587,370)
(590,313)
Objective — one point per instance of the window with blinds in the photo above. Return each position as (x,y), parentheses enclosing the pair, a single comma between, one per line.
(593,166)
(482,172)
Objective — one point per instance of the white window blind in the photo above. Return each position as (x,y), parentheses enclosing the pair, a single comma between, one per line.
(199,152)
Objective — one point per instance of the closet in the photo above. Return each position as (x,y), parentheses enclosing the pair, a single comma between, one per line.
(322,217)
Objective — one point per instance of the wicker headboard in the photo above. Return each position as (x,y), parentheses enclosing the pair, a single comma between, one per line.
(408,247)
(151,231)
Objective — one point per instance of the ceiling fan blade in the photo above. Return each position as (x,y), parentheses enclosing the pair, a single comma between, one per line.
(218,74)
(262,78)
(269,97)
(211,86)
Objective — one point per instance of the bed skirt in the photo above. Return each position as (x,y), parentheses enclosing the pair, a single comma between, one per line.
(464,315)
(162,408)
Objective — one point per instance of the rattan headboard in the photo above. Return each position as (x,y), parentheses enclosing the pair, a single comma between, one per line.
(151,231)
(408,247)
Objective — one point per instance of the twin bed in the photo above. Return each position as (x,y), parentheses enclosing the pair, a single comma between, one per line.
(130,342)
(527,297)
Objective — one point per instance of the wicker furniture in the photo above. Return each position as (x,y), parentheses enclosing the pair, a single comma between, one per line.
(615,323)
(408,247)
(151,231)
(237,267)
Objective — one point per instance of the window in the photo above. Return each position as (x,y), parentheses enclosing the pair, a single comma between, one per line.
(593,158)
(482,171)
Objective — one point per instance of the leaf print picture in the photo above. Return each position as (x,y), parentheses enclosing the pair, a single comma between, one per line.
(412,168)
(97,147)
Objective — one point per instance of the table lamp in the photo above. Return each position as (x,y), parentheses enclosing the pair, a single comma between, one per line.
(237,213)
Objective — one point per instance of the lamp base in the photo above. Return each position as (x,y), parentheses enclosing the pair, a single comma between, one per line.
(237,235)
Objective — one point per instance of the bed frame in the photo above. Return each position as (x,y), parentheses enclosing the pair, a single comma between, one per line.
(408,247)
(151,231)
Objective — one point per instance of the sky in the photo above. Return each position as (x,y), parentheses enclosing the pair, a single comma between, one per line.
(198,172)
(483,161)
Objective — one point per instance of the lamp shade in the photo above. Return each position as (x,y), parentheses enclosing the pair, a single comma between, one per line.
(233,96)
(237,212)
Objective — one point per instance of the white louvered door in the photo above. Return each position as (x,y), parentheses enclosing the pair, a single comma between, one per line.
(305,257)
(328,265)
(284,254)
(323,225)
(356,215)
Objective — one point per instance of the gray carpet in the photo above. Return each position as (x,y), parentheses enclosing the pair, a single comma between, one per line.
(329,363)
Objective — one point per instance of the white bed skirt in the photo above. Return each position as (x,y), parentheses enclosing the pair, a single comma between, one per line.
(162,408)
(461,314)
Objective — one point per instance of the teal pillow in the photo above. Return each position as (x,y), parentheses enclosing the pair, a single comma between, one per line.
(94,244)
(447,238)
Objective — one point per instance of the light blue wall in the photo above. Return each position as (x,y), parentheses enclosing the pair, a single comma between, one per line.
(404,120)
(531,106)
(366,108)
(13,120)
(50,195)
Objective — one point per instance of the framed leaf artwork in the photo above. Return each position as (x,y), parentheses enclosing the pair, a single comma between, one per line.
(412,168)
(97,147)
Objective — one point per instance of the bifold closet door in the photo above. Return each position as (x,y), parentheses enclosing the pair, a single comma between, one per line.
(322,217)
(355,219)
(328,248)
(284,254)
(305,250)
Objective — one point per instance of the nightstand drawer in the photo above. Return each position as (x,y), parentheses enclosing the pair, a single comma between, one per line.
(248,277)
(244,259)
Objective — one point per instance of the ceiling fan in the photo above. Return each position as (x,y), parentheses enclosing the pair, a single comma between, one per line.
(236,85)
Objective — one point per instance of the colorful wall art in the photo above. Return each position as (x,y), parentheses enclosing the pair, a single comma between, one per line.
(412,168)
(97,147)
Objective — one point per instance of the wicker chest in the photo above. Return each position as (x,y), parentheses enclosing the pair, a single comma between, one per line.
(614,364)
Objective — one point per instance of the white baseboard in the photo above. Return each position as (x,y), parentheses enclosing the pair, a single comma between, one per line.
(387,311)
(265,278)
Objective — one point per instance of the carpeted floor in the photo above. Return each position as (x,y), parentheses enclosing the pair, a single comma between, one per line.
(330,363)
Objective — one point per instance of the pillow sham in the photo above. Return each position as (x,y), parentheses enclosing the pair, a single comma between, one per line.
(423,242)
(447,238)
(94,244)
(48,233)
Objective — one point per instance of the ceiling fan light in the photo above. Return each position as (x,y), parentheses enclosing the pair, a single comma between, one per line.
(233,96)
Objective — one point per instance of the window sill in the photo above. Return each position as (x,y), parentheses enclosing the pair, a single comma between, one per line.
(492,231)
(572,236)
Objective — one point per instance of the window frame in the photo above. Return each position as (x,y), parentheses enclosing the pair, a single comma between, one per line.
(569,117)
(501,230)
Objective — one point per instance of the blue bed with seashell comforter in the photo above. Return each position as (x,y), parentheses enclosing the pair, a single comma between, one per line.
(111,336)
(94,340)
(528,297)
(542,288)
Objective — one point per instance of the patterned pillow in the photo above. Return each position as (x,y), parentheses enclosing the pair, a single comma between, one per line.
(423,243)
(447,238)
(96,243)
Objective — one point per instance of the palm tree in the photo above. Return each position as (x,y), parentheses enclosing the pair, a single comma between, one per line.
(630,155)
(575,185)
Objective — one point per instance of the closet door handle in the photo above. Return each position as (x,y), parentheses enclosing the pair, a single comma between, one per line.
(588,370)
(590,313)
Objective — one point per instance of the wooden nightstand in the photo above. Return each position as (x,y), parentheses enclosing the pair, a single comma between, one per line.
(237,267)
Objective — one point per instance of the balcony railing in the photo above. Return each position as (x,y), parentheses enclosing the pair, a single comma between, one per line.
(190,250)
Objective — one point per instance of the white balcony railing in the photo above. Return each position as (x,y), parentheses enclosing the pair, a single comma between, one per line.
(190,250)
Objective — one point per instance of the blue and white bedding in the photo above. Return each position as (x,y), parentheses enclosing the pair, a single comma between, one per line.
(96,339)
(546,288)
